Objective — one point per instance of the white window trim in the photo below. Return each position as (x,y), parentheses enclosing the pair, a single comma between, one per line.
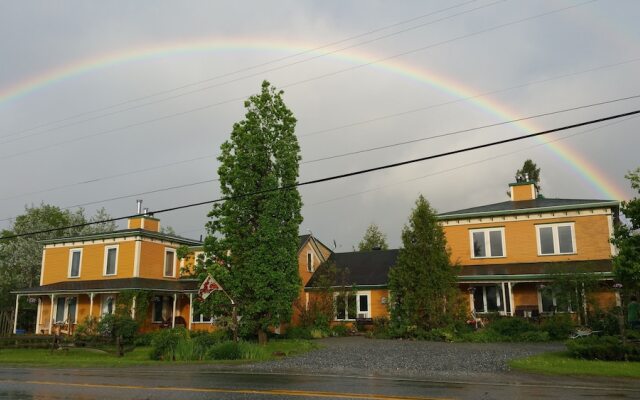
(487,242)
(71,251)
(65,315)
(164,264)
(106,253)
(312,261)
(499,300)
(202,320)
(358,311)
(556,238)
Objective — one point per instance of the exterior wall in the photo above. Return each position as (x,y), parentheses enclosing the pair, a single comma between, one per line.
(146,223)
(152,260)
(521,246)
(378,308)
(92,262)
(525,295)
(522,192)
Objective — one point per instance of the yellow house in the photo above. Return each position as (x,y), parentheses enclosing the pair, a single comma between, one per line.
(82,276)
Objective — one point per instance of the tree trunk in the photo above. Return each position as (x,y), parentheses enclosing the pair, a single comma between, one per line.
(262,337)
(119,346)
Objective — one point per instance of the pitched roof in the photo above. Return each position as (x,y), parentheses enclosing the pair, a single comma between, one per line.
(528,206)
(360,268)
(105,285)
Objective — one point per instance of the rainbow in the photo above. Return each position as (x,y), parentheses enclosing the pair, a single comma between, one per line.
(595,177)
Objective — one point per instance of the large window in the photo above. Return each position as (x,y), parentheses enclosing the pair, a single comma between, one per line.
(556,239)
(552,301)
(162,308)
(487,243)
(75,258)
(110,260)
(169,262)
(351,306)
(487,299)
(66,310)
(201,319)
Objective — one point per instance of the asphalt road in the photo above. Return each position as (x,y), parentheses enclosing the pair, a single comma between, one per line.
(201,382)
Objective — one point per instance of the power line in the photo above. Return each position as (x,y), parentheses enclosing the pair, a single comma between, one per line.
(451,169)
(396,144)
(205,107)
(335,128)
(245,76)
(339,176)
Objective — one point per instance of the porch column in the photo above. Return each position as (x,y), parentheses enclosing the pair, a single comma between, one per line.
(190,309)
(15,317)
(38,316)
(91,304)
(511,301)
(51,315)
(504,298)
(173,315)
(133,307)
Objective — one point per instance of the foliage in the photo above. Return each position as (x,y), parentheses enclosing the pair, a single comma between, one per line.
(168,230)
(558,326)
(423,283)
(298,332)
(606,348)
(340,330)
(530,168)
(626,264)
(373,239)
(572,290)
(87,328)
(511,326)
(318,312)
(118,326)
(165,342)
(606,322)
(124,303)
(21,258)
(252,242)
(237,351)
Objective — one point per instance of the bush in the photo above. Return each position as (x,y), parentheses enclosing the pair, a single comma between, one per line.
(533,336)
(317,334)
(607,322)
(511,326)
(143,339)
(164,343)
(298,332)
(606,348)
(558,326)
(186,350)
(339,330)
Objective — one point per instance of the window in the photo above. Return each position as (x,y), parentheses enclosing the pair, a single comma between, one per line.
(75,258)
(162,308)
(486,243)
(310,262)
(110,260)
(552,301)
(487,299)
(66,310)
(108,304)
(349,307)
(556,239)
(201,319)
(169,262)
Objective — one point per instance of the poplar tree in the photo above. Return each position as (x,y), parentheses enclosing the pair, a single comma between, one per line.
(423,282)
(626,264)
(373,238)
(252,243)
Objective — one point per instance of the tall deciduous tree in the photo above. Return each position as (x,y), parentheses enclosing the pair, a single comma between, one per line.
(626,264)
(373,239)
(423,282)
(252,242)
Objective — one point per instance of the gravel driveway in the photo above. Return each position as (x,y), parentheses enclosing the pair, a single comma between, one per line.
(361,356)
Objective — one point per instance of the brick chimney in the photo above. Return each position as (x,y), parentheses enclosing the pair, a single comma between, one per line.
(523,189)
(143,220)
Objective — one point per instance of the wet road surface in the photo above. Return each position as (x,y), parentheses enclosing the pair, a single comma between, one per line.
(199,382)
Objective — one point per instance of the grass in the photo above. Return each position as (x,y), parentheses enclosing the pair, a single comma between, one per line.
(80,357)
(560,363)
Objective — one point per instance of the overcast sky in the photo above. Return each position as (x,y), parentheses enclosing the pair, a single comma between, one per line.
(104,100)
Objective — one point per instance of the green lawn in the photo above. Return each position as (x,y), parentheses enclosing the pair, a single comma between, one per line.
(562,364)
(80,357)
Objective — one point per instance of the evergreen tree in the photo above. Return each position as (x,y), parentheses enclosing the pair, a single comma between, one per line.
(373,238)
(423,282)
(252,242)
(626,264)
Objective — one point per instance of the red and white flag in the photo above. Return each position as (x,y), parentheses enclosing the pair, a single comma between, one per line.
(209,285)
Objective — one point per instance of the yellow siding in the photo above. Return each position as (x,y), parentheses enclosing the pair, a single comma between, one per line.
(592,240)
(377,308)
(523,192)
(92,262)
(152,261)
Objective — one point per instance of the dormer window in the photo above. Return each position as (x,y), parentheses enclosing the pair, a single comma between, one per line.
(310,261)
(487,243)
